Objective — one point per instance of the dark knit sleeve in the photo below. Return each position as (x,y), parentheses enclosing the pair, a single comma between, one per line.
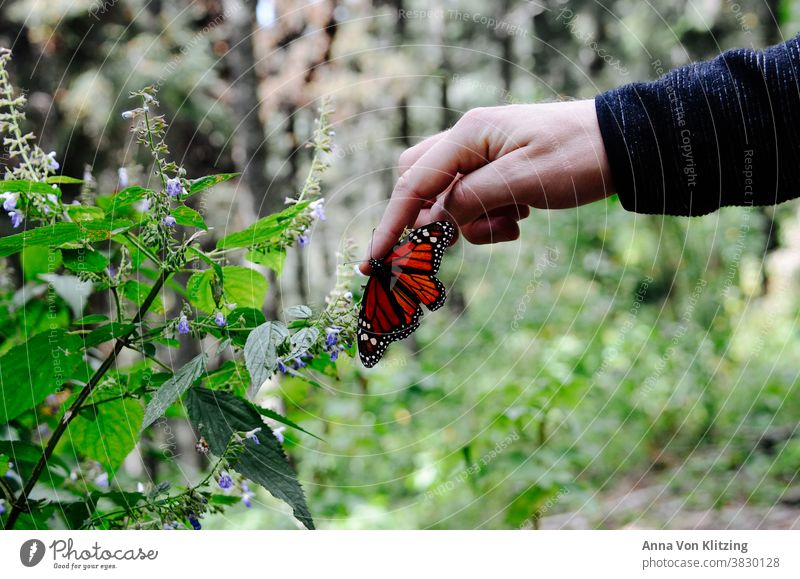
(707,135)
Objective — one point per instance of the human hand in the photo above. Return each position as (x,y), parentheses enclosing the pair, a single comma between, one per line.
(496,163)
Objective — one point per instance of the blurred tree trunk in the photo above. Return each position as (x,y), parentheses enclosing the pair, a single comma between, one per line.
(249,140)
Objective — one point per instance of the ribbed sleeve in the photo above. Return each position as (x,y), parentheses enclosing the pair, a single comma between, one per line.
(707,135)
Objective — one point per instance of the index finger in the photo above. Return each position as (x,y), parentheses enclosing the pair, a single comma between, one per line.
(456,152)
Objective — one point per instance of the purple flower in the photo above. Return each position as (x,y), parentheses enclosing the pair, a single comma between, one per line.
(174,187)
(334,355)
(143,206)
(297,363)
(220,320)
(170,526)
(253,435)
(127,114)
(194,522)
(183,325)
(16,218)
(111,271)
(225,480)
(10,201)
(247,494)
(122,177)
(169,221)
(3,505)
(303,240)
(282,367)
(318,210)
(51,160)
(101,480)
(332,336)
(278,432)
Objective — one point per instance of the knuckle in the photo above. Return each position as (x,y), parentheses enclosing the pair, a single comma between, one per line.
(474,117)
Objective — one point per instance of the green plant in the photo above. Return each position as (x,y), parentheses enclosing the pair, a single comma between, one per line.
(81,389)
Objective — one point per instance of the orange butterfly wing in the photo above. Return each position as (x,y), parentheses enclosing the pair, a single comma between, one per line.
(390,308)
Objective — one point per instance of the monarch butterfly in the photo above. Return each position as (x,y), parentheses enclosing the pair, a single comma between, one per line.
(401,281)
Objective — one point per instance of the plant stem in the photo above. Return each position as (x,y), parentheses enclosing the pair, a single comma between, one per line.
(135,240)
(22,500)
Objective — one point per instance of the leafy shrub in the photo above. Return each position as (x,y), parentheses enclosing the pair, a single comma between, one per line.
(81,388)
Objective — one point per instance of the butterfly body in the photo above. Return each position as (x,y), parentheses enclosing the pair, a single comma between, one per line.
(400,282)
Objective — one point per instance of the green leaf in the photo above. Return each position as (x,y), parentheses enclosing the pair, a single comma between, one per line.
(280,418)
(203,256)
(269,257)
(3,464)
(63,180)
(231,376)
(109,433)
(91,319)
(123,200)
(16,185)
(261,351)
(218,415)
(264,230)
(37,259)
(224,499)
(84,259)
(62,233)
(107,332)
(298,312)
(242,286)
(174,388)
(187,216)
(302,341)
(85,213)
(31,371)
(137,291)
(209,181)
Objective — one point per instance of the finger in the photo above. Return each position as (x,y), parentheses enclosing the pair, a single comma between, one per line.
(413,154)
(506,181)
(491,230)
(432,173)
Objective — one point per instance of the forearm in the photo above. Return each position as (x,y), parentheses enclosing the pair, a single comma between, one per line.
(707,135)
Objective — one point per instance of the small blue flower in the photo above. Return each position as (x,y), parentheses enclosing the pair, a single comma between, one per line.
(282,367)
(3,506)
(10,201)
(334,355)
(127,114)
(52,163)
(247,494)
(183,325)
(278,432)
(169,221)
(170,526)
(318,210)
(225,480)
(332,336)
(174,187)
(297,363)
(194,522)
(122,177)
(101,480)
(303,240)
(220,320)
(143,206)
(16,218)
(253,435)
